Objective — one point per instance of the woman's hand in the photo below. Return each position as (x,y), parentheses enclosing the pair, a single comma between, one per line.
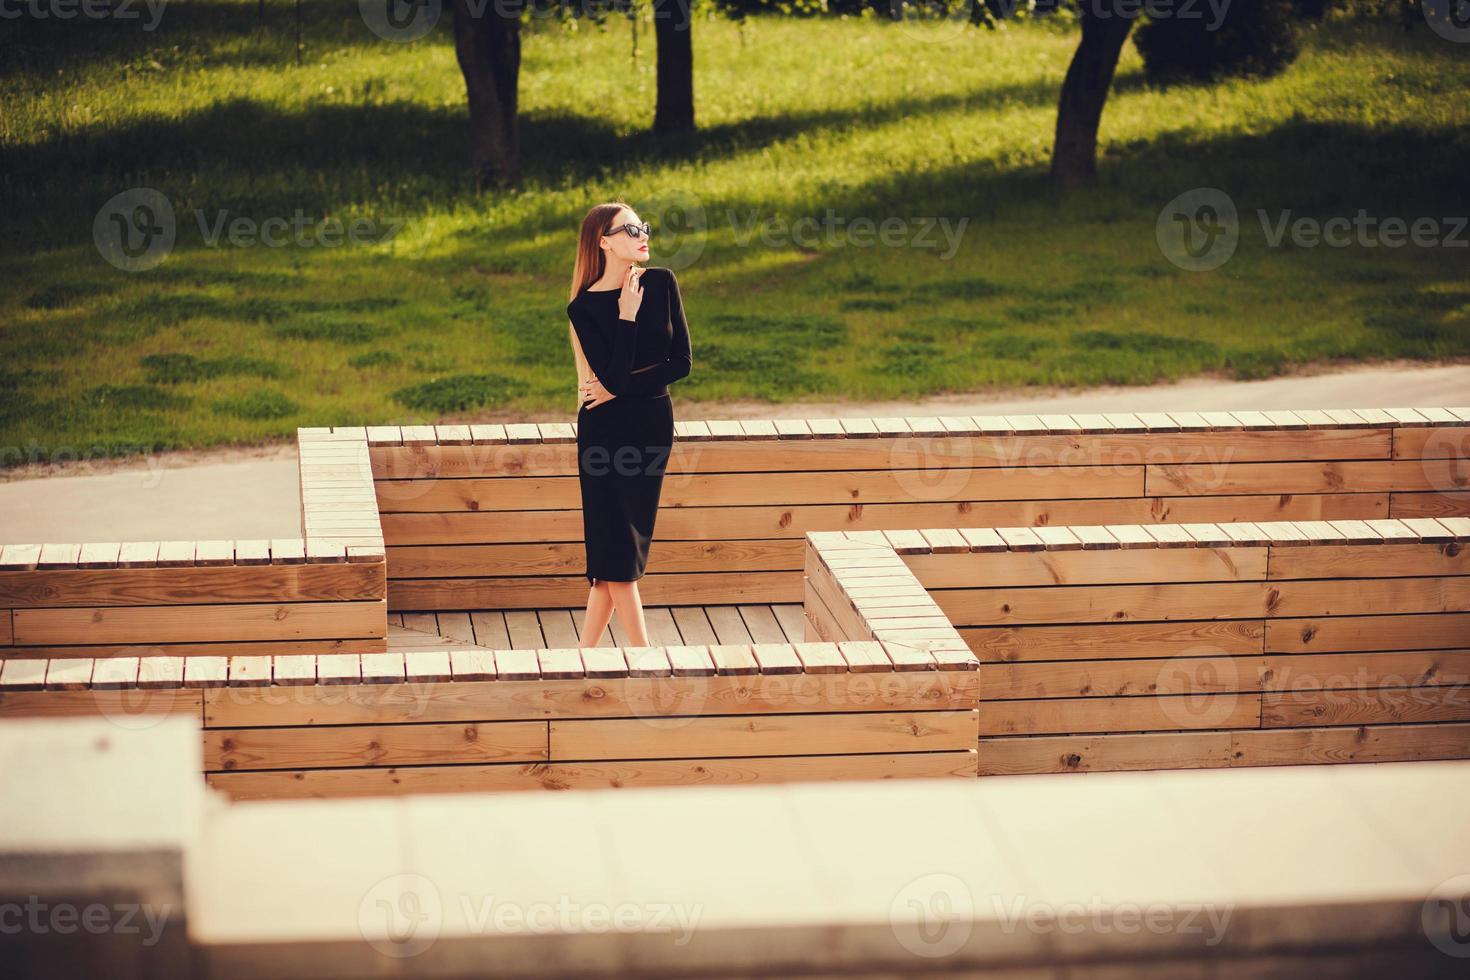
(594,394)
(632,295)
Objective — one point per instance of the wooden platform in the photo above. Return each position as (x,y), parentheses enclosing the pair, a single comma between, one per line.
(536,629)
(1167,646)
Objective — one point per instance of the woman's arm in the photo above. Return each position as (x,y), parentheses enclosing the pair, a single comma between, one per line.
(680,359)
(614,364)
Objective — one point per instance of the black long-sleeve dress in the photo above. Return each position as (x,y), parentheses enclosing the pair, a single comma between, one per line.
(623,445)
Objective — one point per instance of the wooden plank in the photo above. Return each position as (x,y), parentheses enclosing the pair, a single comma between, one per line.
(160,672)
(516,665)
(373,745)
(1116,678)
(202,588)
(1105,753)
(1301,709)
(383,668)
(1058,716)
(187,623)
(117,673)
(865,656)
(561,664)
(427,666)
(501,700)
(724,737)
(1347,634)
(385,781)
(1369,561)
(200,672)
(472,665)
(1105,603)
(690,661)
(776,658)
(1370,743)
(246,672)
(1091,567)
(734,659)
(69,675)
(124,707)
(293,670)
(820,658)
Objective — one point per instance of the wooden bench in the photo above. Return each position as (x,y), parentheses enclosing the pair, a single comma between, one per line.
(324,592)
(1179,645)
(452,719)
(489,516)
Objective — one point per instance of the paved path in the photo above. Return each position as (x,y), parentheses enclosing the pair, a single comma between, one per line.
(253,493)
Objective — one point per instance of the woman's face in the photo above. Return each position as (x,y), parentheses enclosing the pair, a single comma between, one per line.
(621,244)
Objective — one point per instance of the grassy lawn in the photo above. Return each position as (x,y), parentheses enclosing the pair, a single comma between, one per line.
(459,314)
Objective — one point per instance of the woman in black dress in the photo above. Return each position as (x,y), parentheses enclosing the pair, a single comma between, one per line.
(630,340)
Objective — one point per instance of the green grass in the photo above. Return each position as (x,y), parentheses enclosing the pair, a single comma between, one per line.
(459,314)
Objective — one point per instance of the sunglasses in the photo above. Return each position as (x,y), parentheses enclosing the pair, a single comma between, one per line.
(633,231)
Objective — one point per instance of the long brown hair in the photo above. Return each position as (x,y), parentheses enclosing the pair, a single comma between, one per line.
(589,267)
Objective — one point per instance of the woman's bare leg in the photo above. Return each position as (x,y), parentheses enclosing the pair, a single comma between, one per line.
(599,614)
(629,604)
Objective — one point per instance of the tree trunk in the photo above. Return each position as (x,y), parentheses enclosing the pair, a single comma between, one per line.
(672,31)
(487,44)
(1084,92)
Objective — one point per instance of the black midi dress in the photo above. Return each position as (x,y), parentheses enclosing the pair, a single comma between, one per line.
(623,445)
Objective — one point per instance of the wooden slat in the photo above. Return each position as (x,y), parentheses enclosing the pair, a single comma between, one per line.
(776,658)
(690,661)
(503,700)
(373,745)
(723,737)
(200,672)
(249,672)
(820,658)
